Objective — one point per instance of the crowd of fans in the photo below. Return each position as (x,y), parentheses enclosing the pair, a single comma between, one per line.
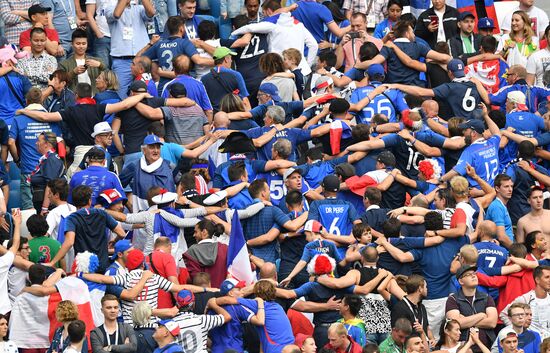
(388,175)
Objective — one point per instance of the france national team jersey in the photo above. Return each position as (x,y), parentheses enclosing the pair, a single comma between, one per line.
(165,50)
(247,58)
(386,104)
(526,124)
(399,73)
(277,188)
(462,97)
(336,216)
(491,256)
(221,177)
(483,156)
(406,156)
(315,172)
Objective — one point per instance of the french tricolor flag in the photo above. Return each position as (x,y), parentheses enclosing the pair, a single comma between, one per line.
(338,131)
(238,263)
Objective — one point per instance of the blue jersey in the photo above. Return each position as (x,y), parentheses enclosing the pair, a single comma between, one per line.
(221,177)
(248,59)
(526,124)
(295,136)
(462,97)
(336,216)
(25,132)
(390,103)
(533,95)
(399,73)
(406,156)
(498,213)
(98,179)
(482,155)
(230,335)
(318,247)
(314,16)
(277,188)
(165,50)
(491,256)
(315,172)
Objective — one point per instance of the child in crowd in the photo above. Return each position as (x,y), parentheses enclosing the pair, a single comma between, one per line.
(292,58)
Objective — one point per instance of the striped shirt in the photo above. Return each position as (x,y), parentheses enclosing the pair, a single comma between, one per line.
(194,330)
(148,294)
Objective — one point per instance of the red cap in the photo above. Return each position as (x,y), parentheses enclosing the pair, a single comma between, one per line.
(135,259)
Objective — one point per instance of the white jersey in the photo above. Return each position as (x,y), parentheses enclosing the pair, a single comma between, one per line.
(194,330)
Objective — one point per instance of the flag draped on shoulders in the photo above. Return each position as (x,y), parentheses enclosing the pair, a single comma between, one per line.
(33,322)
(338,131)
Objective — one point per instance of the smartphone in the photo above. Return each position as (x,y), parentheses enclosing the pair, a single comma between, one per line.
(354,35)
(434,20)
(86,66)
(16,211)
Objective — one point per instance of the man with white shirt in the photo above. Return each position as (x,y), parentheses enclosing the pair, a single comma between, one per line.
(539,63)
(539,18)
(284,33)
(539,300)
(59,191)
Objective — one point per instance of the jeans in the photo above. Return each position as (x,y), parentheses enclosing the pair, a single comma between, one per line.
(376,337)
(103,49)
(121,67)
(26,194)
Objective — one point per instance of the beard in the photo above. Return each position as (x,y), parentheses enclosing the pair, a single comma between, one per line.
(468,140)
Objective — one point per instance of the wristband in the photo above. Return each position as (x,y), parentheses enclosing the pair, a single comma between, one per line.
(44,208)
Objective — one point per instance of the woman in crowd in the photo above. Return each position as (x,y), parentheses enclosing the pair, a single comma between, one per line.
(50,166)
(6,346)
(449,337)
(233,103)
(340,20)
(107,86)
(66,312)
(383,29)
(272,65)
(515,47)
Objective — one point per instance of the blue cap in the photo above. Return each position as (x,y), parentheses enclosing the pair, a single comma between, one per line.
(474,124)
(272,90)
(375,69)
(229,284)
(456,66)
(485,23)
(465,14)
(184,298)
(121,246)
(152,140)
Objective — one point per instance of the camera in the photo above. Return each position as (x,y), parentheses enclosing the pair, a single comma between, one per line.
(354,35)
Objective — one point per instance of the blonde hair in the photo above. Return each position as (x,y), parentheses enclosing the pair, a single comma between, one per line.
(459,186)
(141,313)
(338,328)
(111,80)
(527,30)
(293,54)
(469,253)
(66,311)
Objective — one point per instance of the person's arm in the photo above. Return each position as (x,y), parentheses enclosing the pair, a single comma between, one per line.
(493,128)
(337,31)
(363,65)
(540,177)
(313,307)
(297,223)
(348,280)
(221,311)
(405,59)
(125,104)
(120,7)
(65,247)
(259,318)
(373,144)
(195,153)
(265,138)
(465,321)
(116,139)
(97,278)
(371,285)
(132,293)
(414,90)
(437,56)
(420,146)
(299,267)
(40,115)
(396,253)
(490,322)
(263,239)
(90,16)
(490,193)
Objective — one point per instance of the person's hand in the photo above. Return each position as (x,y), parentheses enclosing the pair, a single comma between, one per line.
(267,203)
(383,272)
(433,27)
(173,311)
(293,7)
(183,200)
(44,213)
(80,69)
(397,212)
(474,334)
(381,240)
(363,35)
(16,217)
(81,23)
(224,15)
(324,44)
(389,44)
(346,38)
(333,303)
(322,71)
(54,81)
(524,165)
(93,63)
(483,108)
(417,326)
(470,171)
(60,51)
(260,302)
(406,134)
(285,282)
(430,233)
(388,38)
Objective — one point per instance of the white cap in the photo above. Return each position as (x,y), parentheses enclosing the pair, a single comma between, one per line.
(101,128)
(165,197)
(214,198)
(289,172)
(518,98)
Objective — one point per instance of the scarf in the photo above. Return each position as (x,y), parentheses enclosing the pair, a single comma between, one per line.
(150,168)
